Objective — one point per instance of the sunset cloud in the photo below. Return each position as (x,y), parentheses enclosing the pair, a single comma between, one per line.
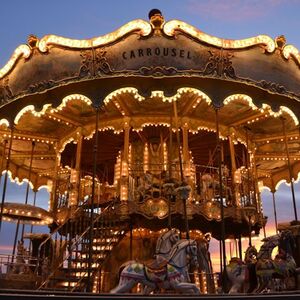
(234,10)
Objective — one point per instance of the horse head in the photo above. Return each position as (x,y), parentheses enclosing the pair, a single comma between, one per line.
(287,242)
(269,244)
(192,252)
(250,255)
(166,241)
(183,252)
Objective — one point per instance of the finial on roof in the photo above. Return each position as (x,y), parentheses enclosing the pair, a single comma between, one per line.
(32,40)
(280,41)
(157,20)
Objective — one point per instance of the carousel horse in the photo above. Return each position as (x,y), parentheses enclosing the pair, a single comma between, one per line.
(164,244)
(280,269)
(241,273)
(170,275)
(265,265)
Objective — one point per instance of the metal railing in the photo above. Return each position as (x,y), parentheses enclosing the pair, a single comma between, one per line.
(71,247)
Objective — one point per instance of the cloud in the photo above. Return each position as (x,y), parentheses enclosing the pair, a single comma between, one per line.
(233,10)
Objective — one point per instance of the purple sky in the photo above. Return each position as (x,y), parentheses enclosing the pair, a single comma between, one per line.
(233,19)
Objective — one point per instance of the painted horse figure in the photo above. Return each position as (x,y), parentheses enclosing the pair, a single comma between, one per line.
(170,275)
(164,244)
(241,274)
(282,267)
(265,264)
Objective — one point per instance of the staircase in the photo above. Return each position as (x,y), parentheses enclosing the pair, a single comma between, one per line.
(72,271)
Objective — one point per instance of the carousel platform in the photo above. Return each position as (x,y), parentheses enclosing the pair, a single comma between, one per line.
(41,295)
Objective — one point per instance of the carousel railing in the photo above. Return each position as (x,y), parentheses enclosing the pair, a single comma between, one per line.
(204,182)
(63,239)
(71,247)
(17,264)
(99,262)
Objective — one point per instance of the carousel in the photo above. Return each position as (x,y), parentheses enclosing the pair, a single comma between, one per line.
(150,140)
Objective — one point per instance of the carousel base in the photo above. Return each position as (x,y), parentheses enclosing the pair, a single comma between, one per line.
(43,295)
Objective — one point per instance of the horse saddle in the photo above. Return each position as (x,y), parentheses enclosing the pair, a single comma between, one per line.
(156,271)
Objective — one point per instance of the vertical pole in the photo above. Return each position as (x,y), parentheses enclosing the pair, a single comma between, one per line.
(3,158)
(290,169)
(6,174)
(34,202)
(28,184)
(170,172)
(249,222)
(181,171)
(91,233)
(170,149)
(274,209)
(224,283)
(130,241)
(248,167)
(15,241)
(233,169)
(240,247)
(76,188)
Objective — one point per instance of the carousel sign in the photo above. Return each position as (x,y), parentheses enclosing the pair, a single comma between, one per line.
(158,51)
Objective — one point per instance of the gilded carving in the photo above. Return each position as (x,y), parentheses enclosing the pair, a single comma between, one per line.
(158,71)
(41,86)
(86,63)
(220,64)
(5,91)
(272,86)
(94,62)
(101,63)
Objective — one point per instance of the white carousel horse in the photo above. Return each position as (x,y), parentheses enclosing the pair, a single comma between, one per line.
(238,271)
(164,244)
(170,275)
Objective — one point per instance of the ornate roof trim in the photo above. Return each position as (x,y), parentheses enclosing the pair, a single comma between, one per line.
(290,50)
(143,27)
(22,51)
(172,26)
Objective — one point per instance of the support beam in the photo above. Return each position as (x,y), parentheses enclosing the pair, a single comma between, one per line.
(218,142)
(29,137)
(233,169)
(56,116)
(290,169)
(247,120)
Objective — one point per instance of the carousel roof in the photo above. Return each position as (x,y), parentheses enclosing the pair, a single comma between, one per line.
(50,87)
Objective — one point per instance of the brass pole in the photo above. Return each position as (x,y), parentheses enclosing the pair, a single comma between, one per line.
(6,174)
(274,208)
(181,171)
(3,157)
(224,283)
(290,169)
(91,233)
(28,184)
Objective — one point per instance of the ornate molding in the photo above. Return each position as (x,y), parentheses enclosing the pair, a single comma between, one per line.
(158,71)
(174,26)
(22,51)
(138,26)
(5,91)
(94,62)
(220,64)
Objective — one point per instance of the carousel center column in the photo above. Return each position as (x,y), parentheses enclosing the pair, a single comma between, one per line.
(124,179)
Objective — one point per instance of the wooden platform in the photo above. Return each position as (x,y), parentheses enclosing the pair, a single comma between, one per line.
(43,295)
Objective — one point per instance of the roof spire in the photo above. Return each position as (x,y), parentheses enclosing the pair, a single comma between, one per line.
(157,20)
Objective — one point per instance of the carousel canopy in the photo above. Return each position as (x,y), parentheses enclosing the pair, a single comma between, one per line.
(50,87)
